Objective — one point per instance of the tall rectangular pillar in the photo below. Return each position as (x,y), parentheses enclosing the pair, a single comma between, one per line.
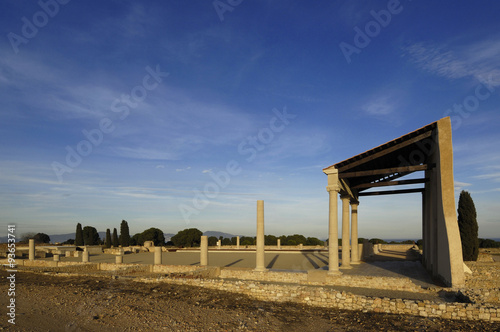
(237,242)
(204,251)
(346,253)
(279,244)
(259,266)
(354,232)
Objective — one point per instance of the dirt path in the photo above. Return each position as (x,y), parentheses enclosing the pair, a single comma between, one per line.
(49,303)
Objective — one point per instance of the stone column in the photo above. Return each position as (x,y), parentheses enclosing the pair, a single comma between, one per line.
(119,259)
(57,257)
(31,254)
(204,251)
(260,238)
(67,253)
(237,242)
(219,243)
(157,256)
(346,254)
(279,244)
(333,233)
(85,256)
(354,232)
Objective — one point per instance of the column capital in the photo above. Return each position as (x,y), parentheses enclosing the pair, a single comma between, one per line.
(332,188)
(354,201)
(345,196)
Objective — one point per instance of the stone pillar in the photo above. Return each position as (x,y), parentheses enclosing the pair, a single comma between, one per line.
(67,253)
(354,232)
(219,243)
(301,246)
(85,256)
(346,253)
(279,244)
(157,256)
(237,242)
(204,251)
(57,257)
(333,233)
(259,266)
(31,254)
(119,259)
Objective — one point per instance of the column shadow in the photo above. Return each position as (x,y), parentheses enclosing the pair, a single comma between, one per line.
(313,263)
(271,263)
(324,261)
(236,261)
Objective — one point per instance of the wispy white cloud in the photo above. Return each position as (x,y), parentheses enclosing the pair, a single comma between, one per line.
(459,186)
(489,176)
(380,106)
(479,60)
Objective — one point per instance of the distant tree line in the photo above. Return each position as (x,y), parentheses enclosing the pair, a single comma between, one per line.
(191,237)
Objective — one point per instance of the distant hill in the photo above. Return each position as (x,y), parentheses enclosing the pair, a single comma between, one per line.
(219,234)
(168,236)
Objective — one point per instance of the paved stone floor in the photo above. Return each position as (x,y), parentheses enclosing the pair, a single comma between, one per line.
(387,263)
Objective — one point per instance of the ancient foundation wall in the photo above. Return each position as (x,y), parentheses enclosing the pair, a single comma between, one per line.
(329,298)
(321,277)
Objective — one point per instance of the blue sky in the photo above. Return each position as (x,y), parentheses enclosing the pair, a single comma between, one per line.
(177,114)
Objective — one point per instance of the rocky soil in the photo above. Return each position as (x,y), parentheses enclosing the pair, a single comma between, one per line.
(45,302)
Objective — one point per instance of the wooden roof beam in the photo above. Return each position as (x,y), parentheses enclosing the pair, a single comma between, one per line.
(386,151)
(392,192)
(389,183)
(385,171)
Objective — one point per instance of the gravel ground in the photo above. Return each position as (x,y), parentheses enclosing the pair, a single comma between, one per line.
(45,302)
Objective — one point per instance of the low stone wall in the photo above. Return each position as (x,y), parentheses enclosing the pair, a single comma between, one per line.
(173,268)
(398,247)
(321,277)
(249,274)
(325,297)
(483,286)
(129,268)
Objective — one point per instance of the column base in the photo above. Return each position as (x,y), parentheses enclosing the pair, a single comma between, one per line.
(334,273)
(355,263)
(260,270)
(345,267)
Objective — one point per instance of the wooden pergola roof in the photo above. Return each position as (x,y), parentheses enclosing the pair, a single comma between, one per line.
(384,164)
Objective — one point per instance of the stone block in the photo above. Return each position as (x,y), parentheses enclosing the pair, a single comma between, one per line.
(316,275)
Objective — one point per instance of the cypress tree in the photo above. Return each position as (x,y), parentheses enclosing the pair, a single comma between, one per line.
(124,234)
(114,240)
(107,242)
(79,235)
(90,236)
(467,223)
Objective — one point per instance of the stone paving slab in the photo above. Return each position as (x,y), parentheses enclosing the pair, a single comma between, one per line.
(393,264)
